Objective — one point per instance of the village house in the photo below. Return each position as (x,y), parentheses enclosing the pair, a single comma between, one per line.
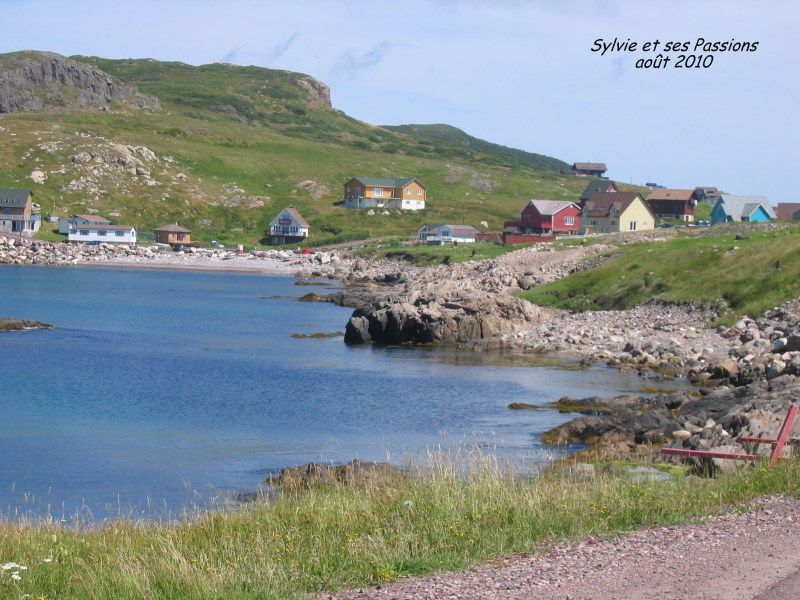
(589,169)
(173,234)
(610,212)
(547,217)
(64,223)
(707,195)
(109,234)
(732,208)
(436,233)
(18,214)
(288,227)
(595,186)
(788,211)
(375,192)
(672,204)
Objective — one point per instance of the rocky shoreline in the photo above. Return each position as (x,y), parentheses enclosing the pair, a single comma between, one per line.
(7,324)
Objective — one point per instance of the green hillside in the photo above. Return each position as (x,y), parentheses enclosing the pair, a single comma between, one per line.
(446,138)
(231,146)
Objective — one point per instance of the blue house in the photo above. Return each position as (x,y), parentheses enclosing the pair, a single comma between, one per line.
(730,208)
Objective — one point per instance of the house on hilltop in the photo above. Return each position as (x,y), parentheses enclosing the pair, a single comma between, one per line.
(788,211)
(595,186)
(288,227)
(376,192)
(672,204)
(546,217)
(18,214)
(173,234)
(64,223)
(590,169)
(610,212)
(732,208)
(437,233)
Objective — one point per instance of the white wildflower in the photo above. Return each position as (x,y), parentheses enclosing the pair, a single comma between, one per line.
(47,560)
(10,566)
(16,576)
(408,503)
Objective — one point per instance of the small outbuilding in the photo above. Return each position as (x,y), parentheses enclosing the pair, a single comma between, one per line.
(173,234)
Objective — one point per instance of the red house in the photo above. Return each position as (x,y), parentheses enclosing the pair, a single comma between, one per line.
(672,204)
(547,217)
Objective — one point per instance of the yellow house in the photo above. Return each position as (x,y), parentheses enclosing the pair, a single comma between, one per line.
(611,212)
(376,192)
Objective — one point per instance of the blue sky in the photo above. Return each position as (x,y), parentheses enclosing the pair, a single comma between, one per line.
(519,73)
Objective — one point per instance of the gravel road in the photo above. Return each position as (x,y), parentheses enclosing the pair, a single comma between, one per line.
(753,555)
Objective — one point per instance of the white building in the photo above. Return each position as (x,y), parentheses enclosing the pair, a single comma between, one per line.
(110,234)
(288,227)
(64,223)
(436,233)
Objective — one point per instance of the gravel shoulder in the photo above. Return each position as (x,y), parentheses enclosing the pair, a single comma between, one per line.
(739,556)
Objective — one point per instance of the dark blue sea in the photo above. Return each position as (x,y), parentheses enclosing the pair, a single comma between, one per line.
(159,390)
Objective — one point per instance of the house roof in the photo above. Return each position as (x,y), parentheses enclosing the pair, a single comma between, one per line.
(92,218)
(296,216)
(551,207)
(14,197)
(601,203)
(786,211)
(671,194)
(388,181)
(454,229)
(173,228)
(590,166)
(737,207)
(108,227)
(597,185)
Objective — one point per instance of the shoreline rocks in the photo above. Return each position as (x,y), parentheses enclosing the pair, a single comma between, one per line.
(8,324)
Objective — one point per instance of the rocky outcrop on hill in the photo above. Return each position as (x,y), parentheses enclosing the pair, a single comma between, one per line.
(319,94)
(48,82)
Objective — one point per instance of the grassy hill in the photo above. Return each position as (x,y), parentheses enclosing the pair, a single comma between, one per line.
(231,146)
(449,139)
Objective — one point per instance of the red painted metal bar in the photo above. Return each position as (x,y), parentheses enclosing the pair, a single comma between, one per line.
(783,435)
(752,440)
(709,454)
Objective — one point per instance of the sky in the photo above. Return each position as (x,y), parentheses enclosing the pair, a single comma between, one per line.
(519,73)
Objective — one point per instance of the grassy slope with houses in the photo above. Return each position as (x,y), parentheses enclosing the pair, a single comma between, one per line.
(243,136)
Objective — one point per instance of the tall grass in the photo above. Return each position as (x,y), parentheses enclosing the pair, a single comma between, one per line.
(337,536)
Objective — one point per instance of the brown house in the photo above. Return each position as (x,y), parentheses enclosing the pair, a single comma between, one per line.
(672,204)
(376,192)
(173,234)
(17,213)
(589,168)
(595,186)
(788,211)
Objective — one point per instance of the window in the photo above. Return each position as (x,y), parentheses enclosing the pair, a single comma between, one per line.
(419,202)
(419,192)
(84,232)
(119,233)
(633,225)
(613,223)
(408,192)
(377,192)
(569,220)
(594,222)
(102,232)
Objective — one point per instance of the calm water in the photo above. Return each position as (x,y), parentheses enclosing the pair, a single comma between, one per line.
(159,389)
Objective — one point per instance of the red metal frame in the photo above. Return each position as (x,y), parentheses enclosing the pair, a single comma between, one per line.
(777,443)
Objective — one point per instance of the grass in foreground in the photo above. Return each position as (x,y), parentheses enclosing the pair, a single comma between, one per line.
(338,537)
(750,275)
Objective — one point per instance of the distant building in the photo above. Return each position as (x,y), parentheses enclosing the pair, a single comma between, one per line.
(374,192)
(64,223)
(546,217)
(589,169)
(173,234)
(707,195)
(731,208)
(18,214)
(436,233)
(788,211)
(595,186)
(610,212)
(672,204)
(109,234)
(288,227)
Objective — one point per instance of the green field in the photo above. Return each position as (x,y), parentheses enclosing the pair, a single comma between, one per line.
(337,537)
(236,135)
(750,275)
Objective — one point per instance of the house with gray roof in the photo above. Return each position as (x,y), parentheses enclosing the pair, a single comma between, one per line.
(439,233)
(18,214)
(385,193)
(288,227)
(731,208)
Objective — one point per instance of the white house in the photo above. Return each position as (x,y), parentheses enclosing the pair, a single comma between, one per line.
(64,223)
(436,233)
(288,227)
(110,234)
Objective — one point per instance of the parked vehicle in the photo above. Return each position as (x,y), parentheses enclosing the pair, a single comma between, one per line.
(217,244)
(703,224)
